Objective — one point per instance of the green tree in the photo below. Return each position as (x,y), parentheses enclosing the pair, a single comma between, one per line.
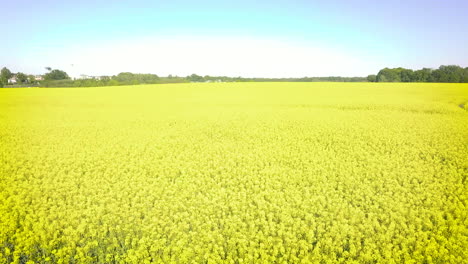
(132,78)
(21,78)
(195,78)
(124,77)
(448,74)
(465,75)
(113,82)
(372,78)
(406,75)
(56,75)
(31,78)
(423,75)
(5,74)
(388,75)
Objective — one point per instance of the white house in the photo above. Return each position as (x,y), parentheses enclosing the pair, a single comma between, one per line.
(87,77)
(13,79)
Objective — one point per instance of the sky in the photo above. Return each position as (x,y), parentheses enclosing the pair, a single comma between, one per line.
(262,38)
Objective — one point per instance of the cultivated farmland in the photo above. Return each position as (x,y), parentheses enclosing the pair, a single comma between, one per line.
(235,173)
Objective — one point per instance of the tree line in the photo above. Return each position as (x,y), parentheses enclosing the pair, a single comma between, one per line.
(207,78)
(22,78)
(444,74)
(59,78)
(123,78)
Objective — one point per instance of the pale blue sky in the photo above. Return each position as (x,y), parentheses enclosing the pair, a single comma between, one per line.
(248,38)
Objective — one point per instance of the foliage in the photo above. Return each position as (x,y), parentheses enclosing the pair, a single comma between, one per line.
(31,78)
(132,78)
(445,74)
(230,173)
(5,74)
(196,78)
(56,75)
(103,82)
(304,79)
(450,74)
(423,75)
(372,78)
(21,78)
(57,78)
(389,75)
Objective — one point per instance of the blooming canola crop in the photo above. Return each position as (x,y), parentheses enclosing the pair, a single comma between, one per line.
(235,173)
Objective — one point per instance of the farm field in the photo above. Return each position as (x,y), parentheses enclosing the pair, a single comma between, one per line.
(235,173)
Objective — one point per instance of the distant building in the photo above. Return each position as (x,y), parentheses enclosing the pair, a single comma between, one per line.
(88,77)
(13,79)
(103,77)
(84,77)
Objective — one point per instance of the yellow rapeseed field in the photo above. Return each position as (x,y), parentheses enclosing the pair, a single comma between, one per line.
(235,173)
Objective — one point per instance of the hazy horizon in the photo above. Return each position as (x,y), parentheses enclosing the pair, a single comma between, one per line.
(272,39)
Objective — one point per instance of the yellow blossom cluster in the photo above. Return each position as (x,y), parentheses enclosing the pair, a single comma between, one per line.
(235,173)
